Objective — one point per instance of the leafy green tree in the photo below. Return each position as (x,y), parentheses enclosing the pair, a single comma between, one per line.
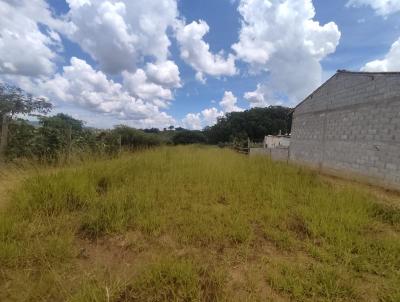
(189,137)
(254,124)
(22,139)
(110,142)
(56,135)
(14,102)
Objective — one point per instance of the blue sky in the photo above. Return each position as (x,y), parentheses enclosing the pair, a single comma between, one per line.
(102,60)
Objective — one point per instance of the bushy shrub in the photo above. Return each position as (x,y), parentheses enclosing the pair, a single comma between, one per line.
(110,143)
(58,137)
(133,139)
(188,137)
(21,141)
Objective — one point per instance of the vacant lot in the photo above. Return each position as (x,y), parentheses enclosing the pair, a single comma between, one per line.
(197,224)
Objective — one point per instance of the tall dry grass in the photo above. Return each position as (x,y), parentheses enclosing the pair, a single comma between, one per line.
(196,224)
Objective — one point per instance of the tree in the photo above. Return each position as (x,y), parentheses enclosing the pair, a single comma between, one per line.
(56,135)
(14,101)
(189,137)
(254,124)
(133,138)
(152,130)
(22,139)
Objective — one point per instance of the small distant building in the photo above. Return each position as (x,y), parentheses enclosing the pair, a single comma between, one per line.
(274,146)
(351,126)
(278,141)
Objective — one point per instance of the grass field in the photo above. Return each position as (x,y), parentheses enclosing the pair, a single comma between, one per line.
(197,224)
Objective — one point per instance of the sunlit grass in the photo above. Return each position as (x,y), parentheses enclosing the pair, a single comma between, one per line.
(176,224)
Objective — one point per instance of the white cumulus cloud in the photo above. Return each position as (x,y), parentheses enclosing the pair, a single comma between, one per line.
(391,62)
(24,48)
(211,115)
(256,98)
(118,34)
(138,85)
(281,38)
(164,73)
(193,121)
(228,103)
(382,7)
(197,121)
(87,88)
(196,52)
(131,40)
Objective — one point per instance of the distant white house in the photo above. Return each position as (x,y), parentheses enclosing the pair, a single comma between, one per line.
(278,141)
(274,146)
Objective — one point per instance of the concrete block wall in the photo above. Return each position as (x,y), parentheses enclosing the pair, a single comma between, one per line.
(352,124)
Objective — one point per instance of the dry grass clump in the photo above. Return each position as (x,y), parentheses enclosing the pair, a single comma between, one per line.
(196,224)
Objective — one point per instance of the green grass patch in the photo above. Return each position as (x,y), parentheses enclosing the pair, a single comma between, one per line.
(171,280)
(312,282)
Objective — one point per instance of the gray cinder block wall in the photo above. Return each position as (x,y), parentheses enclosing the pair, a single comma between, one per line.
(351,125)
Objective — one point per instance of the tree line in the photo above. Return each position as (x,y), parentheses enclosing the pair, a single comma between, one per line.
(254,124)
(55,138)
(238,127)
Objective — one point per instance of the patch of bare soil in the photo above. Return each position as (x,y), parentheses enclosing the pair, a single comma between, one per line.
(120,255)
(124,256)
